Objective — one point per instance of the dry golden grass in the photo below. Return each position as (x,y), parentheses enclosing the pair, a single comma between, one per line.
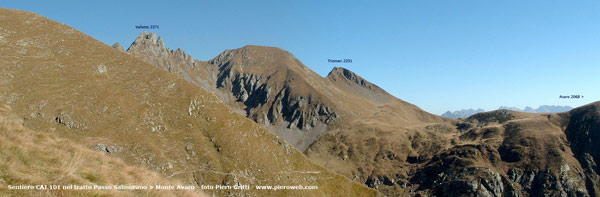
(38,158)
(64,82)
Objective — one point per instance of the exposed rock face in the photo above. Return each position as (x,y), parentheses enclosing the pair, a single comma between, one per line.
(269,84)
(583,133)
(268,105)
(451,174)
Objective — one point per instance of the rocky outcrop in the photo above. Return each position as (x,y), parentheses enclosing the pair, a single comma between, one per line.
(583,133)
(455,173)
(299,111)
(118,47)
(107,149)
(151,48)
(566,181)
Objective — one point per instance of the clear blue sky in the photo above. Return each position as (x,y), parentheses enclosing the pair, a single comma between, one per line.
(439,55)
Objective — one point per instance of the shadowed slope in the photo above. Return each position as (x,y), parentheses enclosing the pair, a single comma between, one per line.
(583,133)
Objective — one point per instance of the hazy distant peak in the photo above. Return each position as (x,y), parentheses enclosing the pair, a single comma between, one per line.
(510,108)
(462,113)
(542,109)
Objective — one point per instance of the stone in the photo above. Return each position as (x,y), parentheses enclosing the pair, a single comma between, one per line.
(118,46)
(102,69)
(103,148)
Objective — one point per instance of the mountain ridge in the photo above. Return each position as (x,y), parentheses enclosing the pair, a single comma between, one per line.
(270,86)
(398,149)
(464,113)
(84,90)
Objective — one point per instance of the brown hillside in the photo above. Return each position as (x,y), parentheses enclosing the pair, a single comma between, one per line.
(62,81)
(40,158)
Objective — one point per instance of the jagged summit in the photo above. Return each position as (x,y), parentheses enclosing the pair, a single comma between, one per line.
(148,37)
(150,47)
(151,41)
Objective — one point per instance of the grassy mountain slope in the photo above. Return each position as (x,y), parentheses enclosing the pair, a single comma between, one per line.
(59,80)
(40,158)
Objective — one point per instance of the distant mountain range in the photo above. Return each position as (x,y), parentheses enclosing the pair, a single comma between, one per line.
(542,109)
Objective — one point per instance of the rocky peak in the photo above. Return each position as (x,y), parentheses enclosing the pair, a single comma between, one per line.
(148,40)
(118,46)
(343,74)
(151,48)
(149,36)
